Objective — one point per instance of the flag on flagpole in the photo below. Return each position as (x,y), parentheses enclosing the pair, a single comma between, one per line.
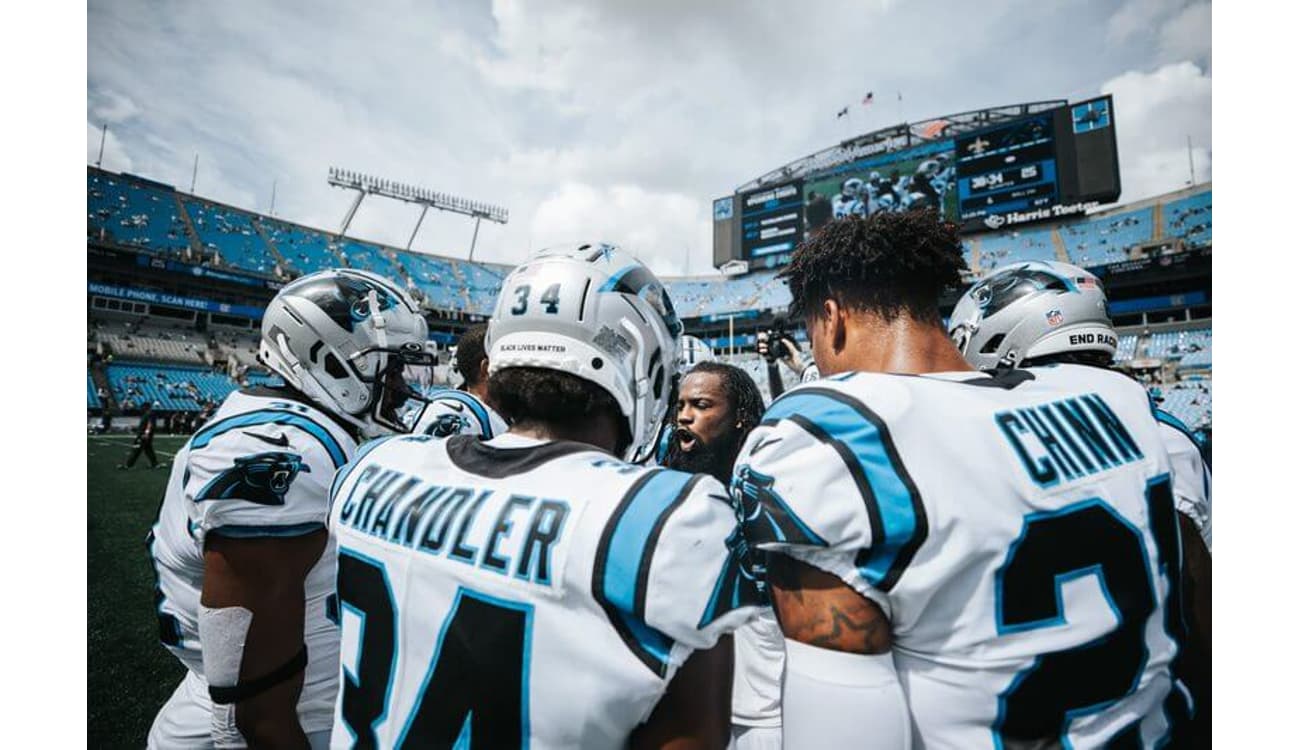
(842,113)
(870,97)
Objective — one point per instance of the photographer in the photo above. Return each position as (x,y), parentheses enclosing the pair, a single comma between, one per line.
(776,343)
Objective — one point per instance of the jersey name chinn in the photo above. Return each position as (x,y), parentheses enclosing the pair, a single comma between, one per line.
(1068,439)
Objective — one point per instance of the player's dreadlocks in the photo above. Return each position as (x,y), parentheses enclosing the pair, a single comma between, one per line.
(533,396)
(742,394)
(470,354)
(887,263)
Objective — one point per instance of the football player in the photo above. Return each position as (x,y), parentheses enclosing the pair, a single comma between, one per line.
(849,199)
(717,407)
(1046,312)
(464,411)
(539,588)
(979,560)
(244,564)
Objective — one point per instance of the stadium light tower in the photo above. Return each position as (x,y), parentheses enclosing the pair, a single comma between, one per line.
(366,184)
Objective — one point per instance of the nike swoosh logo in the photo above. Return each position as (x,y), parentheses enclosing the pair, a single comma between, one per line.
(764,443)
(280,442)
(454,405)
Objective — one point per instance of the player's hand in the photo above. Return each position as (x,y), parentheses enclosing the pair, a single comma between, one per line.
(793,358)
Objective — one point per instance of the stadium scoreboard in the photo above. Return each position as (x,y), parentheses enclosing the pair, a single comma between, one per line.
(1047,164)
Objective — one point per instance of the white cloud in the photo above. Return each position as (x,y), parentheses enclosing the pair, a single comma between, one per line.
(659,228)
(1186,36)
(1155,113)
(637,114)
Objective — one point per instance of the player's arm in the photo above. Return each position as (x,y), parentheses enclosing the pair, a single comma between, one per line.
(695,711)
(1195,667)
(251,628)
(840,687)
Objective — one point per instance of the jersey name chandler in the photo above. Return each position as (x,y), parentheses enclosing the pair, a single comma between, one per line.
(1018,530)
(261,467)
(510,592)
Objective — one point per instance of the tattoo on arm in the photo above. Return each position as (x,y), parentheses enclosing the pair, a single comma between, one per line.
(816,608)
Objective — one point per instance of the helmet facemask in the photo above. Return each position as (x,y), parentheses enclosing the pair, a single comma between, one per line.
(396,390)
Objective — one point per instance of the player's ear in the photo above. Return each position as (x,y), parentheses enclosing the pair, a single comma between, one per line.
(836,324)
(483,371)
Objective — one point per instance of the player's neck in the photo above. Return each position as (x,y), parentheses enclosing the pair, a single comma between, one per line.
(904,345)
(599,431)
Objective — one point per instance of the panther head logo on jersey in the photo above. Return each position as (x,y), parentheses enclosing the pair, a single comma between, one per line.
(762,516)
(446,425)
(262,478)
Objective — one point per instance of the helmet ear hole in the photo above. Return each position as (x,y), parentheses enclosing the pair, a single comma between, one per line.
(334,368)
(991,346)
(659,382)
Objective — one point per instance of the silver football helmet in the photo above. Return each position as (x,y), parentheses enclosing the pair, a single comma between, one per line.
(1028,310)
(354,343)
(694,351)
(851,188)
(596,312)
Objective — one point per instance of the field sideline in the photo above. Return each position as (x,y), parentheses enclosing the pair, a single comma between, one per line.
(130,674)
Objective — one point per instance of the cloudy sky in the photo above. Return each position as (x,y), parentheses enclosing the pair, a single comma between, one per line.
(617,120)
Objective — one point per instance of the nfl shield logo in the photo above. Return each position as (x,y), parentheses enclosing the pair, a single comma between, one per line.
(1054,318)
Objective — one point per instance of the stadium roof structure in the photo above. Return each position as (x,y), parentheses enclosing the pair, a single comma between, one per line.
(899,137)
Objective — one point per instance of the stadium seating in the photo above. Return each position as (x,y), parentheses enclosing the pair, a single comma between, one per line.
(369,257)
(1189,400)
(229,235)
(175,346)
(92,393)
(1179,345)
(171,388)
(1107,239)
(1016,245)
(1127,348)
(1190,219)
(305,250)
(131,212)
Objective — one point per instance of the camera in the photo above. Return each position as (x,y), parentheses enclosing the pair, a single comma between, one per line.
(771,341)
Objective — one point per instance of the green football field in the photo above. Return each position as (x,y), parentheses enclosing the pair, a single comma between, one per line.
(130,674)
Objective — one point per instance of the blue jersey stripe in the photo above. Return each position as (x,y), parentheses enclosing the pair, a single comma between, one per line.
(626,555)
(902,524)
(272,416)
(474,405)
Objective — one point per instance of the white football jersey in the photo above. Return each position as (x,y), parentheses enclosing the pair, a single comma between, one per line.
(261,467)
(514,592)
(1018,530)
(450,412)
(760,664)
(1191,474)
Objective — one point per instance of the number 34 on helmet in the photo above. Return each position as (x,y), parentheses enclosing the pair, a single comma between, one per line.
(596,312)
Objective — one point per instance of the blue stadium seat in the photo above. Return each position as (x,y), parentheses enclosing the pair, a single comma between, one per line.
(172,388)
(1104,240)
(305,250)
(229,234)
(1190,219)
(92,394)
(129,212)
(370,258)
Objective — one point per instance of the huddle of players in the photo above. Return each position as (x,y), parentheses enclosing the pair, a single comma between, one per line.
(952,557)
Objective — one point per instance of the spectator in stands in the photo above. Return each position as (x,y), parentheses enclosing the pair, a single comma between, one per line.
(143,439)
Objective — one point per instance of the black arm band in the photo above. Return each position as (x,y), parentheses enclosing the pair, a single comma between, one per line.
(245,690)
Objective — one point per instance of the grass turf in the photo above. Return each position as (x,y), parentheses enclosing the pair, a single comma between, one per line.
(130,673)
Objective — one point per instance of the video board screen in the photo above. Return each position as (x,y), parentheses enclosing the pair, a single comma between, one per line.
(1008,168)
(918,177)
(771,220)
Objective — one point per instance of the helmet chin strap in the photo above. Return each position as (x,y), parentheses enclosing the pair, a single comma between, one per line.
(377,317)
